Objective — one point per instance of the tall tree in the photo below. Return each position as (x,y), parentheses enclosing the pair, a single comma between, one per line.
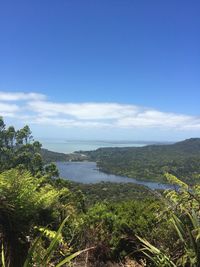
(17,148)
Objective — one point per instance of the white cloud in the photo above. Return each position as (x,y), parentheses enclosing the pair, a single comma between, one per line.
(68,123)
(7,110)
(18,96)
(84,111)
(154,118)
(34,108)
(8,107)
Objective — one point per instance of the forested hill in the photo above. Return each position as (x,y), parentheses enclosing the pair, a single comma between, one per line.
(51,156)
(151,162)
(191,146)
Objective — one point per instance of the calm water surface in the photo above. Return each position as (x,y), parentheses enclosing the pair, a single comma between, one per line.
(87,172)
(69,146)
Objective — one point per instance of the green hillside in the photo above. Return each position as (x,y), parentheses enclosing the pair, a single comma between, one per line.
(151,162)
(51,156)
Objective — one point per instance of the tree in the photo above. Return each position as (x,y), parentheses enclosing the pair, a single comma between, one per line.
(17,149)
(25,202)
(51,170)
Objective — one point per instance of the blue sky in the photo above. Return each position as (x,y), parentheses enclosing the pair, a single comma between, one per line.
(105,69)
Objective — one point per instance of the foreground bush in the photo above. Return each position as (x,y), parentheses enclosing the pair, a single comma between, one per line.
(184,216)
(25,201)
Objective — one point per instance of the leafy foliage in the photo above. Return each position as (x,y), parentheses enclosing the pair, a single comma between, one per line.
(17,148)
(184,215)
(156,256)
(36,258)
(25,201)
(112,227)
(105,191)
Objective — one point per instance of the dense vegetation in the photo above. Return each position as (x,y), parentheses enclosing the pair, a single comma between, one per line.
(152,162)
(110,192)
(51,156)
(47,221)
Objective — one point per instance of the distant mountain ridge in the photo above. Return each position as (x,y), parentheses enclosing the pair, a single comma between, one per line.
(151,162)
(189,145)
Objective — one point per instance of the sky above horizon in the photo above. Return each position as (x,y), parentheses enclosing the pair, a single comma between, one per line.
(121,70)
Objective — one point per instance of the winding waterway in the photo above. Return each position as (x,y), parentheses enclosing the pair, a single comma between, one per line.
(87,172)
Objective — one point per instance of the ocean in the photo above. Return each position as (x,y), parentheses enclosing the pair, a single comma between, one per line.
(69,146)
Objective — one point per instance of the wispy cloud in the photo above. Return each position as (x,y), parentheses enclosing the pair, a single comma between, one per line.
(35,108)
(8,110)
(19,96)
(84,111)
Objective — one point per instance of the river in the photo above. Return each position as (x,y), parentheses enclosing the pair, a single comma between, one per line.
(87,172)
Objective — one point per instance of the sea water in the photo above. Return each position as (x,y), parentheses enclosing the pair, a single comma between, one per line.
(69,146)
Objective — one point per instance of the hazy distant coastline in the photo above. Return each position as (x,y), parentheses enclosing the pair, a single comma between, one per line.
(70,146)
